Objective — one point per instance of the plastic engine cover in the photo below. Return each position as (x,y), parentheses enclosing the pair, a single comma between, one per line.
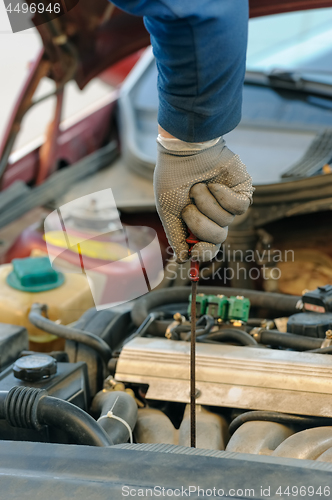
(70,383)
(13,340)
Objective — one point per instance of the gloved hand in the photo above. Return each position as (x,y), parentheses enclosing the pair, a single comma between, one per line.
(202,190)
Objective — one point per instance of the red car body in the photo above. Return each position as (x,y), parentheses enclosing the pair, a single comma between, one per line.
(93,39)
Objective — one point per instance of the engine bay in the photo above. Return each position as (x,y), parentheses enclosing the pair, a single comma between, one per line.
(262,375)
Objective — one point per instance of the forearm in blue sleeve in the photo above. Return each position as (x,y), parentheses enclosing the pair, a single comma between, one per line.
(200,50)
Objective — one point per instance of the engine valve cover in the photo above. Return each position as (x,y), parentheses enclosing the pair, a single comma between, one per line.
(230,376)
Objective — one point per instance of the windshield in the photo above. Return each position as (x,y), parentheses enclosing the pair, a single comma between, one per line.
(298,42)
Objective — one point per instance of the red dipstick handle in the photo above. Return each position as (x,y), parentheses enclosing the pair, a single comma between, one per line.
(194,264)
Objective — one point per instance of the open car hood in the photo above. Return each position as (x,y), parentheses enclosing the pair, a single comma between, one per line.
(92,36)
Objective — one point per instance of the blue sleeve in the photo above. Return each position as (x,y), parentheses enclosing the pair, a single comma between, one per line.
(200,49)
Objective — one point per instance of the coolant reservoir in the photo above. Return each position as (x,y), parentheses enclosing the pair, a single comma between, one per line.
(30,280)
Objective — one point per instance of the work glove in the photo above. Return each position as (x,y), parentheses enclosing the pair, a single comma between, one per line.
(203,191)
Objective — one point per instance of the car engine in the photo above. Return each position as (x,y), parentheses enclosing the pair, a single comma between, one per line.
(262,374)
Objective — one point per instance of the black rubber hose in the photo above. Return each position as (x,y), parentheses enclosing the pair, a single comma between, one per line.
(3,396)
(230,335)
(206,321)
(31,408)
(186,328)
(121,405)
(280,418)
(66,332)
(275,338)
(63,415)
(322,350)
(274,302)
(141,330)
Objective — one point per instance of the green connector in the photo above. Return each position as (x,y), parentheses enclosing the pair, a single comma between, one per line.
(201,301)
(221,307)
(238,308)
(217,306)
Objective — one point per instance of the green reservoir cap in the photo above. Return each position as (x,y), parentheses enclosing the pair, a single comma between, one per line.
(34,274)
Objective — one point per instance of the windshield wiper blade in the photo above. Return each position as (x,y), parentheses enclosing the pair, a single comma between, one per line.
(289,80)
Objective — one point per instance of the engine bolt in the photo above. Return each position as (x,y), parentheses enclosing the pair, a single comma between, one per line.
(198,393)
(328,334)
